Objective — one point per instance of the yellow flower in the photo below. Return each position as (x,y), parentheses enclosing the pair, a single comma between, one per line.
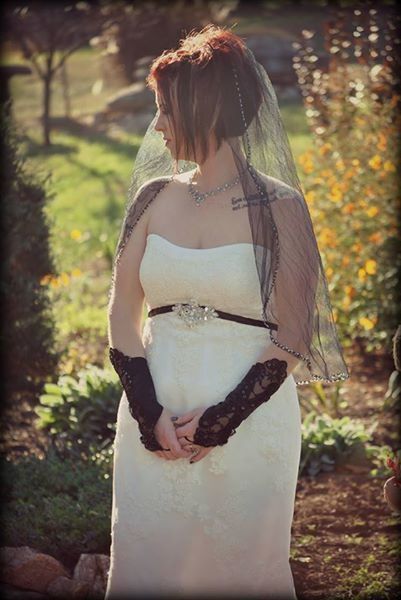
(349,174)
(370,266)
(372,211)
(76,272)
(323,150)
(366,323)
(346,302)
(375,238)
(340,164)
(327,173)
(382,143)
(329,272)
(54,282)
(375,162)
(355,162)
(75,234)
(308,167)
(336,194)
(357,247)
(64,278)
(388,166)
(348,209)
(305,157)
(327,237)
(310,196)
(361,274)
(350,291)
(318,180)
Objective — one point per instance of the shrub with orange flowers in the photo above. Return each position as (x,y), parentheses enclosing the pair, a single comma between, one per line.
(350,177)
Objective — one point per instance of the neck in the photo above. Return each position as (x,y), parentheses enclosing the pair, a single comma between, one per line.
(218,168)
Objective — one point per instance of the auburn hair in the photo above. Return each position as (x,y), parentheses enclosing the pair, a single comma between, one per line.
(197,86)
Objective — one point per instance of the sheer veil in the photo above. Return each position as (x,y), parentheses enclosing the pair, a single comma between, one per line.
(293,286)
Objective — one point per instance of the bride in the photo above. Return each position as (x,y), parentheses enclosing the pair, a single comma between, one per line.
(221,249)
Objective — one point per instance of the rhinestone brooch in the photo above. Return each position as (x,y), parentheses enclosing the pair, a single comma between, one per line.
(193,314)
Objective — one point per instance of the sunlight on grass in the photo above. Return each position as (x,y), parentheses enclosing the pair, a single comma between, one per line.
(83,68)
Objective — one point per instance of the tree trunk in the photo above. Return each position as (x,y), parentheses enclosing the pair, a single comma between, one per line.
(46,109)
(47,91)
(66,90)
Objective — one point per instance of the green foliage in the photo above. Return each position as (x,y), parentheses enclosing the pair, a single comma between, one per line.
(324,400)
(60,506)
(327,441)
(80,413)
(27,335)
(351,179)
(393,393)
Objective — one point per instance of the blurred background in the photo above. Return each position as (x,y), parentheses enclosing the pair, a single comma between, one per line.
(74,110)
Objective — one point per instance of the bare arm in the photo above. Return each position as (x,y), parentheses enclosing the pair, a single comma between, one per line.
(124,330)
(127,296)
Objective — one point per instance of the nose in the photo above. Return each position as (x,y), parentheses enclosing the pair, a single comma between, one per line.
(159,125)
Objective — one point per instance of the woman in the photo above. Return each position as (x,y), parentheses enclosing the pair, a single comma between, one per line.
(218,241)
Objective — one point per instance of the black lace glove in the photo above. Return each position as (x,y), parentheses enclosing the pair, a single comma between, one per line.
(137,382)
(219,421)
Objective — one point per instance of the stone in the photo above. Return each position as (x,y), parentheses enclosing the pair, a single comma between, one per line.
(27,568)
(65,587)
(93,569)
(135,124)
(131,99)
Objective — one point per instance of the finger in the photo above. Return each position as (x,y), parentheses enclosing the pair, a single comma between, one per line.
(178,451)
(185,418)
(203,452)
(184,430)
(197,457)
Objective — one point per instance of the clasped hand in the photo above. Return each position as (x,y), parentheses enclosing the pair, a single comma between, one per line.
(171,434)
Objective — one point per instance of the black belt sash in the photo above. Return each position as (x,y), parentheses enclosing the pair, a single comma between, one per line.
(223,315)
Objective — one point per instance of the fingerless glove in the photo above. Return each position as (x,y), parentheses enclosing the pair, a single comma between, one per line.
(217,424)
(137,382)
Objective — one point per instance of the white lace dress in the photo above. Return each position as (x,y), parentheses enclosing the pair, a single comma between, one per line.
(221,526)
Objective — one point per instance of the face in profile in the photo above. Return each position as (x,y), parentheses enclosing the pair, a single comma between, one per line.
(165,126)
(164,123)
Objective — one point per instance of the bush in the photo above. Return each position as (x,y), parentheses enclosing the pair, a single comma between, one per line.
(350,176)
(27,337)
(327,442)
(80,413)
(58,506)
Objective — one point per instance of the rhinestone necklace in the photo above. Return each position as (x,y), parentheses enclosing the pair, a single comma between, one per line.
(200,197)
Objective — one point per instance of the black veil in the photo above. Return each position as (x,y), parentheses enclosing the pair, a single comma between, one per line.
(293,286)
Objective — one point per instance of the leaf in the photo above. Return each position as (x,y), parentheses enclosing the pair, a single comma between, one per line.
(51,400)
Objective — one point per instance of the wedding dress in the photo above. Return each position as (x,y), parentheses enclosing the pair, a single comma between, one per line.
(220,527)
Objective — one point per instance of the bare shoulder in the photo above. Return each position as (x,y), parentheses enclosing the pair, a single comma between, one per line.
(167,201)
(281,189)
